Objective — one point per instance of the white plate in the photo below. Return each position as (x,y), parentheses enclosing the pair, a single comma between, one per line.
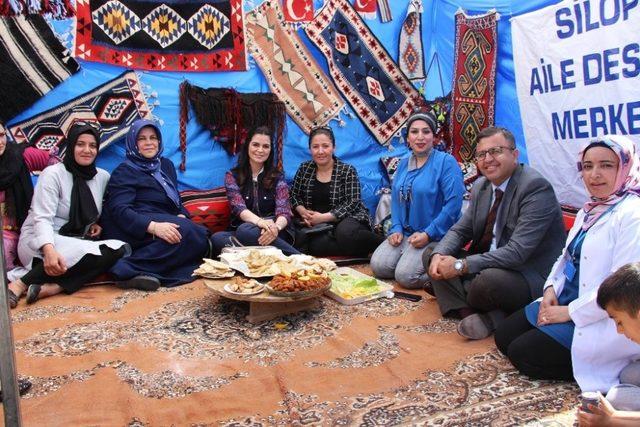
(227,288)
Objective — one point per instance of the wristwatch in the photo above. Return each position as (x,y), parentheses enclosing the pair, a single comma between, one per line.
(459,265)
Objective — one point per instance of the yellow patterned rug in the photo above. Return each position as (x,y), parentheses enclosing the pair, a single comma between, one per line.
(182,356)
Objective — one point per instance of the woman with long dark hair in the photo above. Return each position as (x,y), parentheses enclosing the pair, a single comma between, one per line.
(259,197)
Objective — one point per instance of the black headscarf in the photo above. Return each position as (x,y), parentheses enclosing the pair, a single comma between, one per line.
(16,182)
(82,211)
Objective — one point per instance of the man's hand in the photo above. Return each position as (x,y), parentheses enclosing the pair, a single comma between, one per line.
(441,267)
(602,415)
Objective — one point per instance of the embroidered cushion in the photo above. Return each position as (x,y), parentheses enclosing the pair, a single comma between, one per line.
(208,207)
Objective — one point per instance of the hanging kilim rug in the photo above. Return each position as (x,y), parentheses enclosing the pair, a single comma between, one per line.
(474,80)
(33,62)
(229,115)
(297,10)
(113,105)
(411,52)
(292,73)
(56,9)
(182,35)
(363,70)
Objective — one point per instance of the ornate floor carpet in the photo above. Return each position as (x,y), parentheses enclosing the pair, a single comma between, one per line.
(182,356)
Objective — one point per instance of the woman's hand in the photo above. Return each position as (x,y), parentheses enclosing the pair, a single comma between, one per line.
(266,237)
(54,264)
(418,240)
(316,218)
(167,231)
(305,215)
(395,239)
(268,227)
(94,231)
(549,297)
(553,314)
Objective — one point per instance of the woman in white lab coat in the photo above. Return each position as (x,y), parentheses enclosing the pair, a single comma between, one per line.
(566,334)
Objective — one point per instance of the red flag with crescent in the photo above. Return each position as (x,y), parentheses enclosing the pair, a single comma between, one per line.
(297,10)
(366,8)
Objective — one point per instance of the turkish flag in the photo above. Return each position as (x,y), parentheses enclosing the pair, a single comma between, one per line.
(297,10)
(366,8)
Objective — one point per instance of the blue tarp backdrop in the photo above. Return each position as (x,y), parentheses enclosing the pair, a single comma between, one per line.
(207,161)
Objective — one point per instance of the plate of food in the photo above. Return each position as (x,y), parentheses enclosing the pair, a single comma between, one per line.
(212,269)
(349,287)
(310,262)
(242,286)
(298,284)
(255,262)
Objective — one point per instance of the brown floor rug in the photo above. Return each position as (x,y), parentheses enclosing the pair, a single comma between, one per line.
(182,356)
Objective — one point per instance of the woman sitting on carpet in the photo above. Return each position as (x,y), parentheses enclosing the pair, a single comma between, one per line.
(326,196)
(566,334)
(426,199)
(142,207)
(58,241)
(16,191)
(259,198)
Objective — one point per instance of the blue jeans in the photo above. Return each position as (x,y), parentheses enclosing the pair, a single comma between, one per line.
(248,235)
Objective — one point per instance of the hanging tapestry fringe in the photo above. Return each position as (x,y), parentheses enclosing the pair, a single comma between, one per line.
(229,115)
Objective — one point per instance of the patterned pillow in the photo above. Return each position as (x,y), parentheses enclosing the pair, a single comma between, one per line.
(390,165)
(208,207)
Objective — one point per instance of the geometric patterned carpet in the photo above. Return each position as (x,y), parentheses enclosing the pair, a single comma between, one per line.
(182,356)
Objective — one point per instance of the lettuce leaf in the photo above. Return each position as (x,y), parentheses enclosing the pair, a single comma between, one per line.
(350,287)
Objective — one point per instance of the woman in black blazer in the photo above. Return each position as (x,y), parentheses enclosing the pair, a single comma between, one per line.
(332,220)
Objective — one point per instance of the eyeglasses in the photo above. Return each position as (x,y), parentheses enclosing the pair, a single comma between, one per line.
(493,152)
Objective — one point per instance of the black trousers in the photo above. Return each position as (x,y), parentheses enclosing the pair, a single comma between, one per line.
(531,351)
(84,271)
(349,237)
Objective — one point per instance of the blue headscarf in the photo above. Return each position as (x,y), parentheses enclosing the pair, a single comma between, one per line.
(150,166)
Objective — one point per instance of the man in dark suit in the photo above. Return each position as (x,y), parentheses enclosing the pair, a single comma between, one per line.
(515,225)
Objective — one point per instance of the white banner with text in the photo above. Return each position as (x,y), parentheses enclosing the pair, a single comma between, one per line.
(577,67)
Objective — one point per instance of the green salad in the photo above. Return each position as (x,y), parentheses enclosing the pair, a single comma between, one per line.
(350,287)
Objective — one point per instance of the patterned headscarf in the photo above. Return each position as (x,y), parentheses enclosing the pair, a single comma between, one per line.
(627,179)
(152,165)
